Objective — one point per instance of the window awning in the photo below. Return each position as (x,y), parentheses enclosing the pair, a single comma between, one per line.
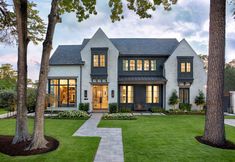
(141,80)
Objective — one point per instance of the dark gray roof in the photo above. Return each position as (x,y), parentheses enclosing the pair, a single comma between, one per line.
(141,79)
(70,54)
(67,55)
(145,46)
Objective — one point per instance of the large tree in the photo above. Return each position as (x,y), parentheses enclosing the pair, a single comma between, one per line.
(20,25)
(82,9)
(214,124)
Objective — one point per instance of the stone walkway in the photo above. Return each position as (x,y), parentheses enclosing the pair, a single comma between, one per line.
(7,115)
(230,122)
(110,148)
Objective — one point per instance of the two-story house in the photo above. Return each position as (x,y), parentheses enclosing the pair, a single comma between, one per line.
(136,73)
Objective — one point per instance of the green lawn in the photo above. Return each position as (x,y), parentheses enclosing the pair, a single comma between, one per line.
(2,111)
(79,149)
(168,138)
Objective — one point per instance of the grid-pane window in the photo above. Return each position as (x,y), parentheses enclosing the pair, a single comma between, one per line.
(125,65)
(184,95)
(182,67)
(95,60)
(123,94)
(130,95)
(139,65)
(102,60)
(155,94)
(153,65)
(148,94)
(146,65)
(132,65)
(188,69)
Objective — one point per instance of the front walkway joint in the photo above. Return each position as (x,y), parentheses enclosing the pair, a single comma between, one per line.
(110,148)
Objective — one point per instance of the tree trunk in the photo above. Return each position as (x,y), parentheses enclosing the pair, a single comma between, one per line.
(214,123)
(21,118)
(39,140)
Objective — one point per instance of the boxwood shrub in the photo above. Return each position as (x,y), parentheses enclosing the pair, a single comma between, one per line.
(156,109)
(119,116)
(73,115)
(185,106)
(113,108)
(84,107)
(125,110)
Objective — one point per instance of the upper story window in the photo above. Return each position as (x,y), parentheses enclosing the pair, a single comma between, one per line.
(132,65)
(139,65)
(96,60)
(146,65)
(99,60)
(125,65)
(185,67)
(153,65)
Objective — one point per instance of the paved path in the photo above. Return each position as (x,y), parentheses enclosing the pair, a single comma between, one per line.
(110,148)
(230,122)
(7,115)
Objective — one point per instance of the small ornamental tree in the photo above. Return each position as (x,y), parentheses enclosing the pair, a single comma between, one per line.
(200,100)
(174,99)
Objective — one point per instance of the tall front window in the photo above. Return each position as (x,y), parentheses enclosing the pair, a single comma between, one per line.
(153,65)
(152,94)
(102,60)
(62,92)
(184,95)
(132,65)
(182,67)
(139,65)
(96,60)
(188,69)
(146,65)
(125,65)
(126,94)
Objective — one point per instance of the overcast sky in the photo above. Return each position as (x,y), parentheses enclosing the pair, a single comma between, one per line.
(188,19)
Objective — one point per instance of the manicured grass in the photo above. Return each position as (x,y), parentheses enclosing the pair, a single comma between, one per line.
(168,138)
(2,111)
(80,149)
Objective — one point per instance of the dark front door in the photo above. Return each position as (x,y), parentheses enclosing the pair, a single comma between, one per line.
(139,97)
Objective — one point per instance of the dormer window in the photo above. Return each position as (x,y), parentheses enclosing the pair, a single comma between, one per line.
(99,60)
(185,67)
(96,60)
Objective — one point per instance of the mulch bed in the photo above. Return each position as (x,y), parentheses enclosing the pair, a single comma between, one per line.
(19,149)
(228,144)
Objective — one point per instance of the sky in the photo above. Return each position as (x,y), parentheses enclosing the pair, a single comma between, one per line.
(188,19)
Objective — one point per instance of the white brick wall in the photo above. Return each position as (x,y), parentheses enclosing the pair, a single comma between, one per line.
(100,40)
(199,73)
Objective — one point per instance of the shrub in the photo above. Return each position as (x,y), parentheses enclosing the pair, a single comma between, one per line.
(73,115)
(8,100)
(119,116)
(31,99)
(125,110)
(84,107)
(113,107)
(174,99)
(200,100)
(156,110)
(185,106)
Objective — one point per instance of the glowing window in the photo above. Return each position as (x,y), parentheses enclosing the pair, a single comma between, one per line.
(132,65)
(153,65)
(146,65)
(95,60)
(125,65)
(102,60)
(139,65)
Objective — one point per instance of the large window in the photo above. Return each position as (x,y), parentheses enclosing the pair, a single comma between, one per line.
(153,65)
(146,65)
(184,95)
(139,65)
(152,94)
(132,65)
(125,65)
(126,94)
(99,60)
(185,67)
(62,92)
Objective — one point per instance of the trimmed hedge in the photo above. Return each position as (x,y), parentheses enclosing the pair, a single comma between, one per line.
(113,107)
(119,116)
(125,110)
(84,107)
(73,115)
(181,112)
(185,106)
(157,110)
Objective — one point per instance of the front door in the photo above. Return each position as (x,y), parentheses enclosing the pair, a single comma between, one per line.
(100,97)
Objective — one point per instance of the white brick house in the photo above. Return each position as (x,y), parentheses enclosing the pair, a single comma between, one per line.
(136,73)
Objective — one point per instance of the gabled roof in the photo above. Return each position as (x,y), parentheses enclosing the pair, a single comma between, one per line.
(67,55)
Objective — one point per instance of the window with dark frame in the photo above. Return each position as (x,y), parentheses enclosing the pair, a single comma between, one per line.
(99,60)
(184,95)
(126,94)
(152,94)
